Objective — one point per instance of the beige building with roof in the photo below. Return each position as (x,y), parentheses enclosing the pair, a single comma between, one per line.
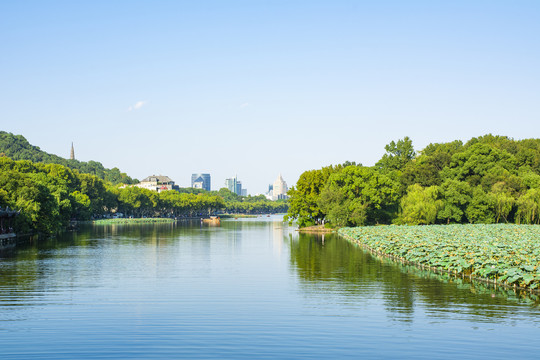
(156,183)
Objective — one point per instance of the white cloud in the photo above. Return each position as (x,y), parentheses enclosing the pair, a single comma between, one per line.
(244,105)
(138,105)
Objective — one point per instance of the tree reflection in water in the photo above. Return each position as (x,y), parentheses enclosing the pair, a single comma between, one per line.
(336,265)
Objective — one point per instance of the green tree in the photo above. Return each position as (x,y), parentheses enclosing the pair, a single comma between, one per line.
(528,207)
(95,189)
(81,209)
(420,205)
(303,199)
(359,195)
(228,195)
(481,207)
(397,155)
(479,161)
(39,208)
(440,154)
(426,167)
(503,201)
(332,201)
(135,201)
(456,195)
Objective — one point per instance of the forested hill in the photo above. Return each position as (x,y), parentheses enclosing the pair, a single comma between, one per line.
(17,147)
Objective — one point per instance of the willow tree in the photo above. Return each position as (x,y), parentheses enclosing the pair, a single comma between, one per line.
(420,205)
(528,207)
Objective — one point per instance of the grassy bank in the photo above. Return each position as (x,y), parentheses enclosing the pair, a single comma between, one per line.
(503,254)
(132,221)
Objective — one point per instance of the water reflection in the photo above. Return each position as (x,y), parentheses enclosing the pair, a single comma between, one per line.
(338,266)
(246,281)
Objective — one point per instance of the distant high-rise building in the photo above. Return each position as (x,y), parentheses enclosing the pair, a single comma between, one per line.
(231,184)
(72,154)
(279,189)
(200,181)
(270,192)
(238,188)
(234,185)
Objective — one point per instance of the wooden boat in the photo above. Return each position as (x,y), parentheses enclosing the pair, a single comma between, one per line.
(212,220)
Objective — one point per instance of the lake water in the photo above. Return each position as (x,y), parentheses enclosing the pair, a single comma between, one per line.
(249,289)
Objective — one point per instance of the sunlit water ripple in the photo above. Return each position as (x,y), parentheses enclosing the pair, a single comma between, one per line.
(252,289)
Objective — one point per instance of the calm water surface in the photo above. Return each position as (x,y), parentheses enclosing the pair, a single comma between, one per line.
(253,289)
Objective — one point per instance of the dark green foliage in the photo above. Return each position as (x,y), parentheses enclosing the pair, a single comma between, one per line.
(191,191)
(228,195)
(490,179)
(481,164)
(456,195)
(44,204)
(358,195)
(17,147)
(48,196)
(303,205)
(397,155)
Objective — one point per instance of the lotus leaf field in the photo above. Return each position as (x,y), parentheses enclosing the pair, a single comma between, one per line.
(504,254)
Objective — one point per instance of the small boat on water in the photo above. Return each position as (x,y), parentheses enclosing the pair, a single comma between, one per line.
(212,220)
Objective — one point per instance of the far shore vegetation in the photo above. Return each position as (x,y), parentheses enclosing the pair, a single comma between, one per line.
(474,196)
(132,221)
(50,192)
(487,180)
(143,220)
(234,216)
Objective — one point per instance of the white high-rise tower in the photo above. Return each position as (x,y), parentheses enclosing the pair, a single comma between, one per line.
(280,189)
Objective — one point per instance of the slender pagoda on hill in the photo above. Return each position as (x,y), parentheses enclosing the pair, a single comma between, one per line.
(72,154)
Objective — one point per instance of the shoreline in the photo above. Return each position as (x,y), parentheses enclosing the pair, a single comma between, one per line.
(372,242)
(233,216)
(131,221)
(319,229)
(163,220)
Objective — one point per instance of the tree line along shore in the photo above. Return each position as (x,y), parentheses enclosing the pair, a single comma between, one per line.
(144,220)
(50,192)
(473,195)
(50,196)
(489,179)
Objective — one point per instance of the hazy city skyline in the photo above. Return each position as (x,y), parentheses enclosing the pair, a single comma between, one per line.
(256,88)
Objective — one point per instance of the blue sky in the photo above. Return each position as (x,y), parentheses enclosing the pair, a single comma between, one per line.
(258,88)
